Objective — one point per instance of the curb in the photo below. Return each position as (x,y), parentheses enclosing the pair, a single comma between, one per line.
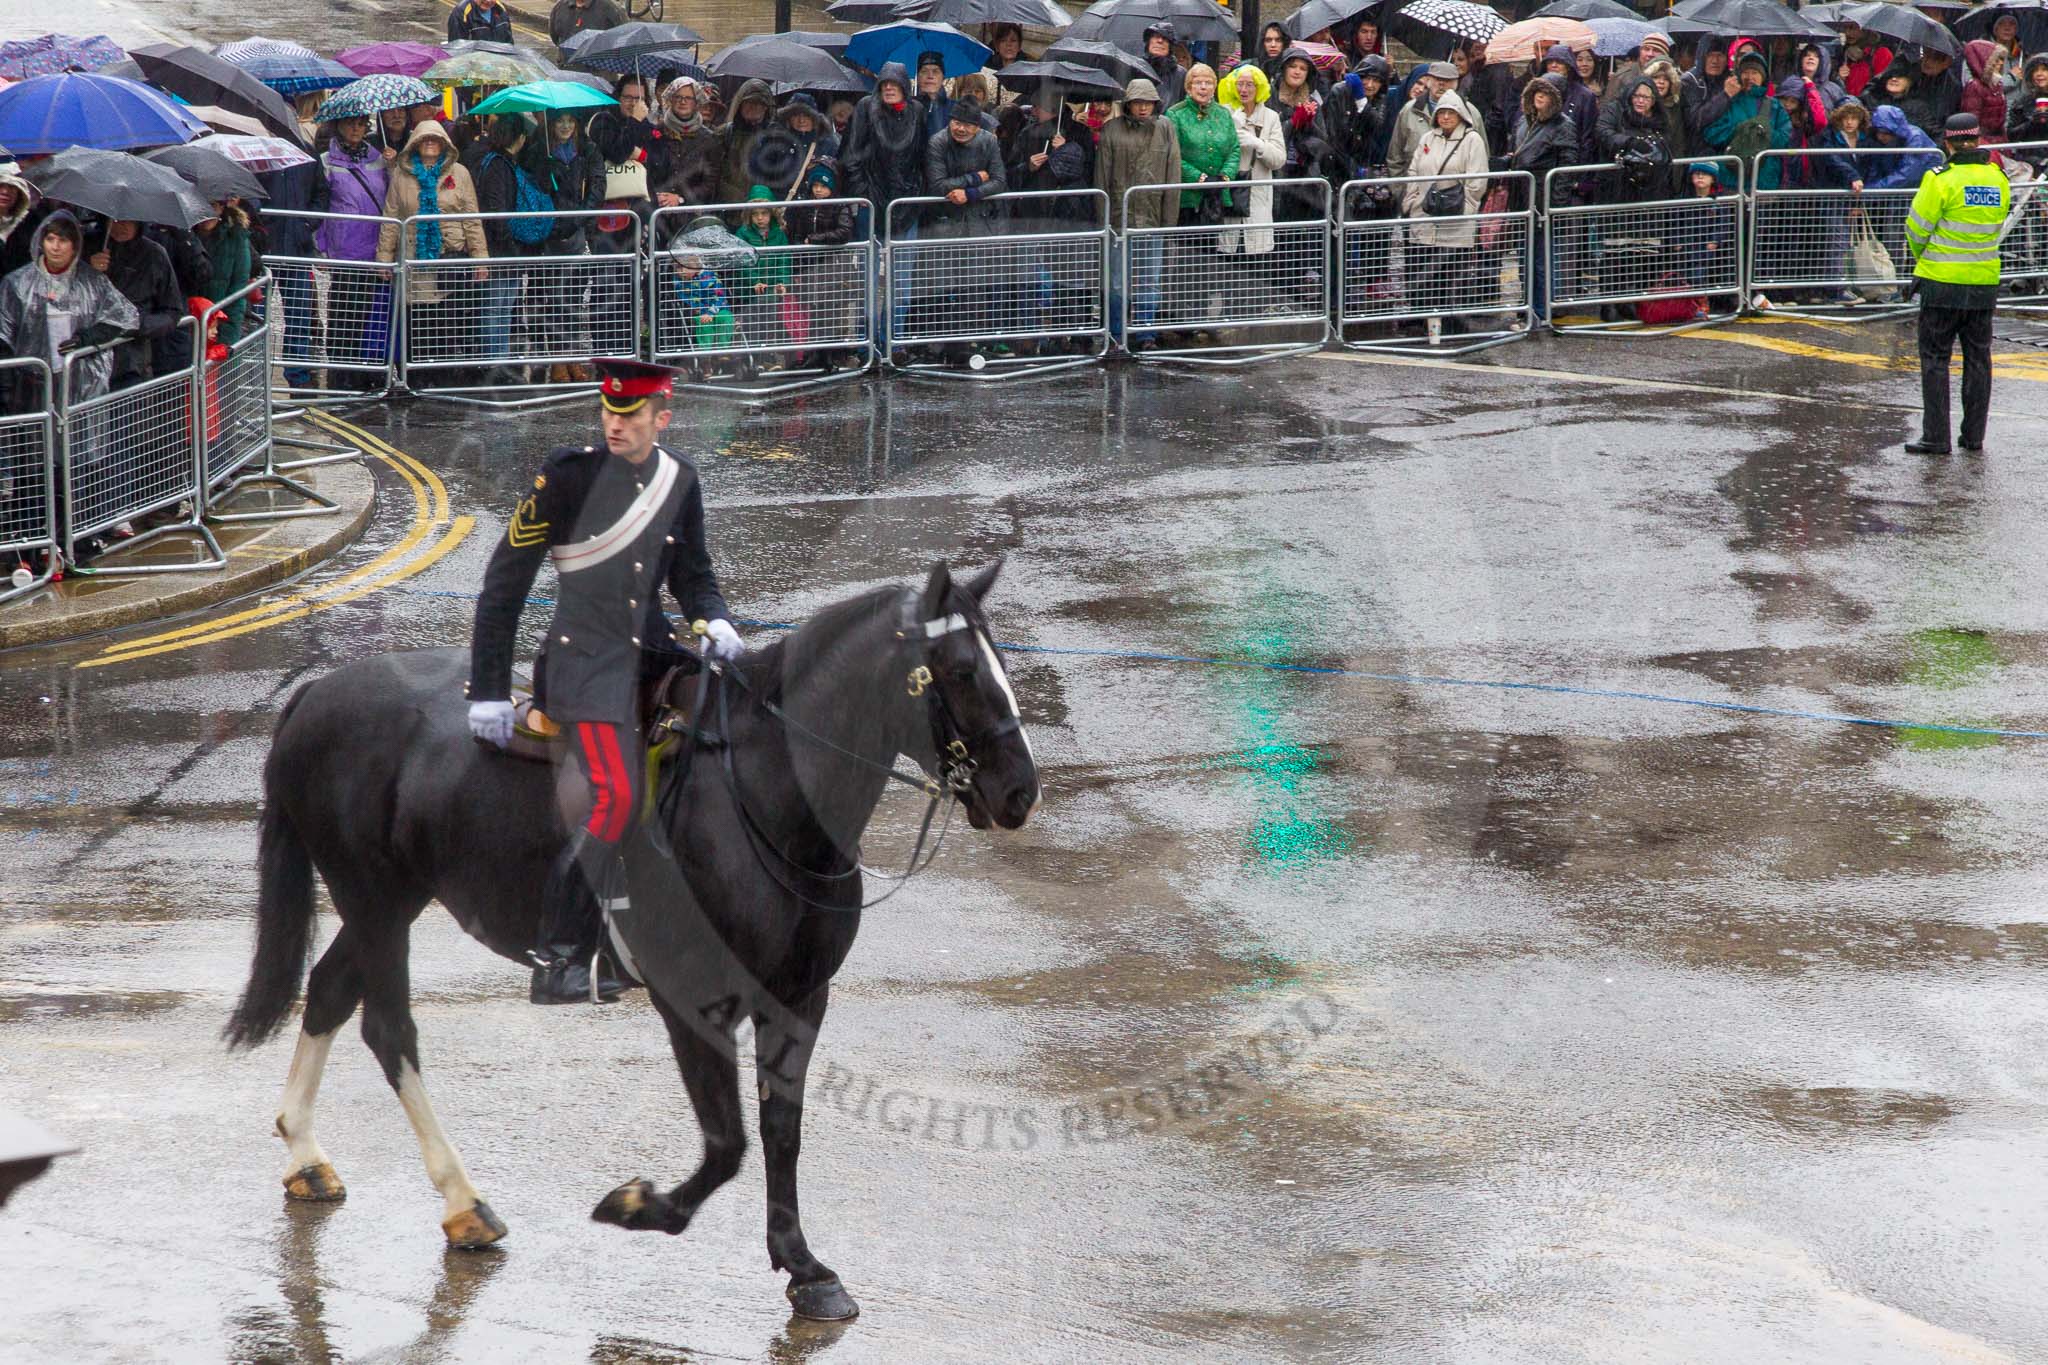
(54,617)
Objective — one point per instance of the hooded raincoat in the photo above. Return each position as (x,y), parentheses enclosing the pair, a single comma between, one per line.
(1139,151)
(883,152)
(41,312)
(1460,153)
(1984,95)
(454,193)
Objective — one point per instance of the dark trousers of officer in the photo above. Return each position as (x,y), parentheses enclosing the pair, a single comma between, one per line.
(1940,329)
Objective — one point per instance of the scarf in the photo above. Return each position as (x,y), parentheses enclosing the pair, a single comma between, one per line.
(426,240)
(55,290)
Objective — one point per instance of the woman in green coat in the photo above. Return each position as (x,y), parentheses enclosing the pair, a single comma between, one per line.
(227,246)
(1209,150)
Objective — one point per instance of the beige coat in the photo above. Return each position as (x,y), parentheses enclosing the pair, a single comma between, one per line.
(456,193)
(1462,153)
(1262,150)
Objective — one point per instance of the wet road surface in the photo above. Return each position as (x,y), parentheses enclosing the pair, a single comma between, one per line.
(1313,1016)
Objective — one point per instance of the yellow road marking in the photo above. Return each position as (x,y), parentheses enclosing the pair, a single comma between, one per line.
(431,508)
(2014,365)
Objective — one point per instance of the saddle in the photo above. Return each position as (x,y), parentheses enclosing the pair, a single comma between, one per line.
(664,718)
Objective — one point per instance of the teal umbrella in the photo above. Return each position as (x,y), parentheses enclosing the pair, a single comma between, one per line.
(537,96)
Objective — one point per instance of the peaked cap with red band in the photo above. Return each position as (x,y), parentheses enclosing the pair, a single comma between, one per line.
(627,384)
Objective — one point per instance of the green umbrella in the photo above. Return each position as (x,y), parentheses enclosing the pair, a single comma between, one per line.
(484,68)
(538,96)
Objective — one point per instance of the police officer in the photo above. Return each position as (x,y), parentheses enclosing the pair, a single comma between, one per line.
(1954,229)
(619,520)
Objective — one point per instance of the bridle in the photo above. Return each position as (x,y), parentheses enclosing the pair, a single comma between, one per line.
(951,743)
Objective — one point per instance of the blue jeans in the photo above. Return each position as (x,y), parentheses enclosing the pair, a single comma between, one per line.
(500,290)
(1146,261)
(901,270)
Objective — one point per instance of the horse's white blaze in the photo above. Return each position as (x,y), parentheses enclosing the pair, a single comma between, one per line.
(444,1166)
(301,1088)
(995,666)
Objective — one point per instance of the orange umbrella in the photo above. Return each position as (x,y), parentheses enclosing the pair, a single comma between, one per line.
(1530,39)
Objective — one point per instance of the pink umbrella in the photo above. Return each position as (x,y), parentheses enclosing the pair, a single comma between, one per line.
(1530,39)
(393,59)
(1325,57)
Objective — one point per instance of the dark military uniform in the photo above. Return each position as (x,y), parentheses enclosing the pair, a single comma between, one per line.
(616,531)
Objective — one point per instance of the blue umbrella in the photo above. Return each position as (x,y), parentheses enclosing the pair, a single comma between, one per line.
(372,95)
(54,52)
(285,67)
(906,40)
(1615,37)
(77,109)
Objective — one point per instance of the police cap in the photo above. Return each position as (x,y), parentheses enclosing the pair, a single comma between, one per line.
(626,385)
(1960,126)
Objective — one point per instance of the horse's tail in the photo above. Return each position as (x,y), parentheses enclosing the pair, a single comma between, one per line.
(284,923)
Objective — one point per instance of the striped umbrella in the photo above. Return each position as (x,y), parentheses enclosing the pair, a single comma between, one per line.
(1459,18)
(372,95)
(287,68)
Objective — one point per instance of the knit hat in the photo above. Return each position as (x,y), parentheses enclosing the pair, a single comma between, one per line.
(966,110)
(925,59)
(760,194)
(824,173)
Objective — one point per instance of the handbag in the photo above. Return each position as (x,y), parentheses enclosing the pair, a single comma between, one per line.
(1667,312)
(1870,264)
(1496,202)
(1446,201)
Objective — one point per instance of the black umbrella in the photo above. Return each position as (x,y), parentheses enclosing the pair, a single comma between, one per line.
(1583,10)
(213,175)
(201,78)
(1751,18)
(862,11)
(782,63)
(2033,24)
(638,47)
(1064,79)
(831,44)
(1119,65)
(966,13)
(1317,15)
(1902,22)
(119,186)
(1124,22)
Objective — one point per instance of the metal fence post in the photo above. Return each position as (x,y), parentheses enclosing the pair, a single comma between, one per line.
(28,479)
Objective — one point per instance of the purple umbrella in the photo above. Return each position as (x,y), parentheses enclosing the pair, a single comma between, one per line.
(55,52)
(391,59)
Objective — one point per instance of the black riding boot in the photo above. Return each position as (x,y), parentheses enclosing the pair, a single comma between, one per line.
(570,928)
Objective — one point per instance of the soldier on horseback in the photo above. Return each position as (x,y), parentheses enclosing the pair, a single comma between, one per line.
(619,520)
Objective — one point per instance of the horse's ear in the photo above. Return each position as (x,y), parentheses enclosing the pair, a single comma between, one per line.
(977,587)
(936,589)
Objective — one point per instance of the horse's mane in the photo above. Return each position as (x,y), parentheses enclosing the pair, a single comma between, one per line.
(769,666)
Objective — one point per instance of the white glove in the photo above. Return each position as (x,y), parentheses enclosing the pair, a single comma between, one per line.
(722,641)
(491,721)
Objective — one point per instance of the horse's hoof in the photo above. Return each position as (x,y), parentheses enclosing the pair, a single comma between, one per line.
(631,1205)
(822,1301)
(474,1227)
(315,1184)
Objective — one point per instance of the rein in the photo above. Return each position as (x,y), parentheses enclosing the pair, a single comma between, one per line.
(956,766)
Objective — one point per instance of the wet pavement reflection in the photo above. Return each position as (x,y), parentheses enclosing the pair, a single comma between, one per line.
(1314,1016)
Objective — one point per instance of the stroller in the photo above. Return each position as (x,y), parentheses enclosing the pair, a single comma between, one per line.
(703,323)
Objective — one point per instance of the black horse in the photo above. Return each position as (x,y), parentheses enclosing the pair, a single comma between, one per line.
(374,780)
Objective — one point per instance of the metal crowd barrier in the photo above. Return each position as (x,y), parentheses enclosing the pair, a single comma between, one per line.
(128,454)
(1211,278)
(1011,286)
(2023,254)
(1652,257)
(1406,279)
(469,323)
(238,449)
(336,313)
(1805,257)
(798,310)
(28,474)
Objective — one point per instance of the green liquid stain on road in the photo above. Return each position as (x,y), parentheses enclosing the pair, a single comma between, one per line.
(1291,833)
(1942,660)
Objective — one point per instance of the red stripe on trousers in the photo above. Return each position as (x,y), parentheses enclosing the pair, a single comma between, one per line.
(622,786)
(610,793)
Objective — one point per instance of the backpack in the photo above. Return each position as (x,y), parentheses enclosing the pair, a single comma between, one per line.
(1751,136)
(534,227)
